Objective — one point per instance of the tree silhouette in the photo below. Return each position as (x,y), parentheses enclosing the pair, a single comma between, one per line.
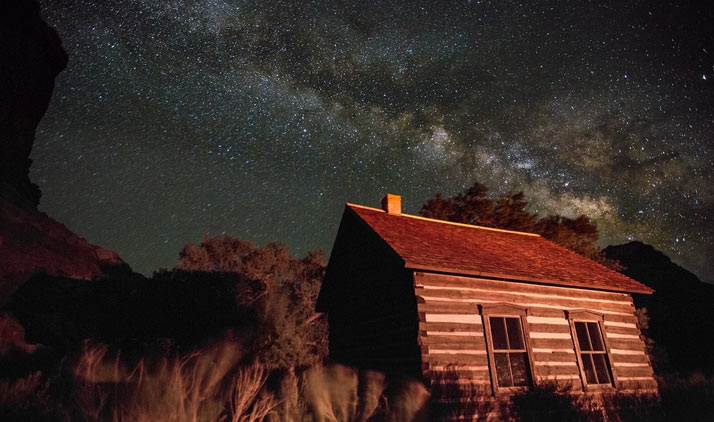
(510,211)
(283,290)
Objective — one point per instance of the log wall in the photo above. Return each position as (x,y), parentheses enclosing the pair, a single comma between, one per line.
(369,300)
(451,332)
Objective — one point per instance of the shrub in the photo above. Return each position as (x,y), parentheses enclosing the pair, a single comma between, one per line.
(27,399)
(207,385)
(455,400)
(633,407)
(687,399)
(552,403)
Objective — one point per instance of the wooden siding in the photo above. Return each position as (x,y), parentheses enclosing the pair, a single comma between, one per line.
(452,339)
(369,300)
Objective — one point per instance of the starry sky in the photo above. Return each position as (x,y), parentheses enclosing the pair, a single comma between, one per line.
(179,119)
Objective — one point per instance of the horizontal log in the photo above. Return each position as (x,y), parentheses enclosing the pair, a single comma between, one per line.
(434,306)
(454,358)
(460,389)
(629,372)
(546,343)
(476,343)
(447,326)
(568,350)
(560,314)
(557,302)
(621,330)
(539,335)
(619,364)
(569,363)
(510,286)
(546,312)
(457,318)
(451,333)
(635,358)
(539,321)
(569,377)
(549,328)
(452,375)
(555,357)
(625,319)
(626,343)
(464,347)
(462,404)
(615,351)
(457,387)
(612,324)
(448,370)
(632,336)
(567,383)
(544,371)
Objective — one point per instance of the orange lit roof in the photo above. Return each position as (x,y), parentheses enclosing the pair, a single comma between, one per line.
(436,245)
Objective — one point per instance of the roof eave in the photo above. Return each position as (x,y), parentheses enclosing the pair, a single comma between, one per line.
(429,268)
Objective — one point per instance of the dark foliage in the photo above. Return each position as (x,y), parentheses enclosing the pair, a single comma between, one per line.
(630,407)
(451,400)
(680,310)
(279,287)
(547,403)
(131,313)
(29,399)
(267,302)
(689,399)
(510,211)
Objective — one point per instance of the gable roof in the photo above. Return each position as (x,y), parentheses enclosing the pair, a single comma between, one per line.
(436,245)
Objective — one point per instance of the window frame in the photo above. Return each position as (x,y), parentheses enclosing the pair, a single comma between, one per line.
(582,315)
(506,310)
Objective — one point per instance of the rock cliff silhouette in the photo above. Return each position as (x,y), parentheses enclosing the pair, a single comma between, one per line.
(30,241)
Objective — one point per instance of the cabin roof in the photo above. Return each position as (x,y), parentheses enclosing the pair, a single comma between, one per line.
(442,246)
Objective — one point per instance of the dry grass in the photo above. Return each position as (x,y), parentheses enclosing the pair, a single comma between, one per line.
(214,385)
(18,391)
(206,386)
(247,402)
(27,399)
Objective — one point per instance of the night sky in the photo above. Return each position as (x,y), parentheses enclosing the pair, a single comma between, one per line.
(177,119)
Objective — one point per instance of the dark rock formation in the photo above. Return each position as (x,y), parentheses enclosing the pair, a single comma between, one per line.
(681,310)
(31,243)
(32,56)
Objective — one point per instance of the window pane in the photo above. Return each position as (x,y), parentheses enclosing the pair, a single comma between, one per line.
(582,333)
(515,338)
(589,370)
(503,370)
(519,368)
(601,368)
(498,333)
(595,339)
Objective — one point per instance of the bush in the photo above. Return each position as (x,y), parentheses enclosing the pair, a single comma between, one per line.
(27,399)
(551,403)
(452,400)
(633,407)
(687,399)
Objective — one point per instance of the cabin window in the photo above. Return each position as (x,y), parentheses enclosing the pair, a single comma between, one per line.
(509,352)
(507,347)
(593,356)
(592,353)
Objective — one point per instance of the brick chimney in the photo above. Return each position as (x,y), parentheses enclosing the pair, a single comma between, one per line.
(392,204)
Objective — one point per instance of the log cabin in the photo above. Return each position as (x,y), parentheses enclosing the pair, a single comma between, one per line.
(499,310)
